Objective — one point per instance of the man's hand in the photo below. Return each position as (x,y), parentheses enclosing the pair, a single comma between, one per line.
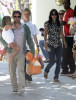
(38,48)
(63,22)
(65,44)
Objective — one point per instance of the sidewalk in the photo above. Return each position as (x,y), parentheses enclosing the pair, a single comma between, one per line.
(39,89)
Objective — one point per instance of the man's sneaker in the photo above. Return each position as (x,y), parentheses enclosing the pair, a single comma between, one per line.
(66,73)
(63,73)
(22,91)
(28,77)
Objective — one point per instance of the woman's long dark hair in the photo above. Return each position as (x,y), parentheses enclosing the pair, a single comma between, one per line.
(50,18)
(75,11)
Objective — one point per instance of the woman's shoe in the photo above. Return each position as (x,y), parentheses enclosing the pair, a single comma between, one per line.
(56,80)
(45,75)
(74,75)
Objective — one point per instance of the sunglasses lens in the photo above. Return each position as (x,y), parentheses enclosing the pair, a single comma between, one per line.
(60,13)
(17,16)
(53,14)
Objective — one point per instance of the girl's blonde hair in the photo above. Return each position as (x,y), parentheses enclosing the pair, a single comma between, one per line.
(6,20)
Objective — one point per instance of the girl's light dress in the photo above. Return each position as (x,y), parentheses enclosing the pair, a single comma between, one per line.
(8,35)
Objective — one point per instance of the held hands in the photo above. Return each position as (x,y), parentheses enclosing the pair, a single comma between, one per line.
(12,27)
(12,45)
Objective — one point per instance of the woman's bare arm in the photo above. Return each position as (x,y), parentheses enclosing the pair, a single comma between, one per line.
(45,37)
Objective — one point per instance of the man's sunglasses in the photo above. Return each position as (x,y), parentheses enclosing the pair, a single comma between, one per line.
(17,16)
(54,14)
(61,13)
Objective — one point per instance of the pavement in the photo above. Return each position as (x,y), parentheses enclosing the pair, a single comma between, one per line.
(39,88)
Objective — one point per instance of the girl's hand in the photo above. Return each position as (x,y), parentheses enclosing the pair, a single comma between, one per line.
(9,27)
(6,27)
(1,57)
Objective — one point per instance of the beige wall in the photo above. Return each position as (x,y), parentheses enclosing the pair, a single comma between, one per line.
(41,9)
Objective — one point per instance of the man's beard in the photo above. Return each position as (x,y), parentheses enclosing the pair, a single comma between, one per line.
(16,21)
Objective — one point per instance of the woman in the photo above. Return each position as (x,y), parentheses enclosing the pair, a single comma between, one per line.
(53,29)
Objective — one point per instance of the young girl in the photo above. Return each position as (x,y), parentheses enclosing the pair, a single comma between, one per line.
(8,36)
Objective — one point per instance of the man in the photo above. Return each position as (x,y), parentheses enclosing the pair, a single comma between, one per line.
(34,32)
(67,60)
(61,13)
(21,34)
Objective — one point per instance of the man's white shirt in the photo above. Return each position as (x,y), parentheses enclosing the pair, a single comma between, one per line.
(33,29)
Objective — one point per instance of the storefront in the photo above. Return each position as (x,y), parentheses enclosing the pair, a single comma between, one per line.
(41,9)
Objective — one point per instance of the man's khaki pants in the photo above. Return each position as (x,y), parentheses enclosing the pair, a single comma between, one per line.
(19,62)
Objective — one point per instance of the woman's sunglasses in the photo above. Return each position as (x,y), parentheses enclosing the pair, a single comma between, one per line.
(54,14)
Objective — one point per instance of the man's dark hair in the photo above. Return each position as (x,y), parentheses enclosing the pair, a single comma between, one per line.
(16,12)
(68,1)
(66,4)
(62,11)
